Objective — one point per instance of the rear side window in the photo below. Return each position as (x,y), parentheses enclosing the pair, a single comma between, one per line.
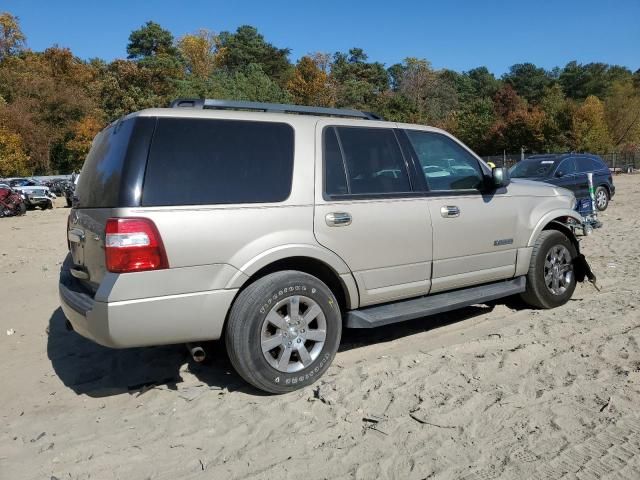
(99,182)
(209,161)
(586,164)
(363,161)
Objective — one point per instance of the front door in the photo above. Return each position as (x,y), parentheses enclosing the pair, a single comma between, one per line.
(566,176)
(473,232)
(367,213)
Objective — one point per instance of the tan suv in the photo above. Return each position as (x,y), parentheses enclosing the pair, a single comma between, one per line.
(276,226)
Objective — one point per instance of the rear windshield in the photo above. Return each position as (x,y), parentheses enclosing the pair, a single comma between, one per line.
(533,168)
(99,182)
(210,161)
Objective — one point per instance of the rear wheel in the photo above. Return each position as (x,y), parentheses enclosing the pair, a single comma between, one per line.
(602,198)
(551,278)
(283,331)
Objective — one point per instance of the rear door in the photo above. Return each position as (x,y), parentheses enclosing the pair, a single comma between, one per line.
(366,210)
(473,232)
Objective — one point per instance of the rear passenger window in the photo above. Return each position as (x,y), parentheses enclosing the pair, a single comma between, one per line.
(586,164)
(208,161)
(371,157)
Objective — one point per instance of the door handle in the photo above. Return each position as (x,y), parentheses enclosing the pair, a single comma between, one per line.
(338,219)
(450,211)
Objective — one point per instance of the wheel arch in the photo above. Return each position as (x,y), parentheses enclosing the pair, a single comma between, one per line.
(310,259)
(556,220)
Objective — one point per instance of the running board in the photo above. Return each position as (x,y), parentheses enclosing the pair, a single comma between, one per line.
(379,315)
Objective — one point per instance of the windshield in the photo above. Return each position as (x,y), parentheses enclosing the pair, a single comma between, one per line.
(533,168)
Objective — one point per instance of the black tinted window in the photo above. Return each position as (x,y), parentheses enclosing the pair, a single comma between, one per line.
(335,178)
(202,161)
(373,160)
(99,182)
(446,165)
(584,164)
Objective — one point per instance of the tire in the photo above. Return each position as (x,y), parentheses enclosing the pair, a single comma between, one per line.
(248,330)
(68,202)
(538,294)
(602,198)
(23,209)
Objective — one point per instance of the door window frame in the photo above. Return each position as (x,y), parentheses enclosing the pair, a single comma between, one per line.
(575,167)
(446,193)
(412,178)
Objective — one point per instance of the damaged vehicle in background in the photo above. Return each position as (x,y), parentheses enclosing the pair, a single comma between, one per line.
(11,202)
(35,193)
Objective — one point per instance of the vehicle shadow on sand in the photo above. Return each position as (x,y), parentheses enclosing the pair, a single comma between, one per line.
(97,371)
(90,369)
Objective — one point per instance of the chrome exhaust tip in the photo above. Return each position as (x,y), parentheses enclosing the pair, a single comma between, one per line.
(197,352)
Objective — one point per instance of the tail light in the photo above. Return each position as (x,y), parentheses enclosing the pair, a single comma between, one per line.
(133,245)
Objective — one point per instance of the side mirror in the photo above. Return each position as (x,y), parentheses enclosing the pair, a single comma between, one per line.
(559,173)
(500,177)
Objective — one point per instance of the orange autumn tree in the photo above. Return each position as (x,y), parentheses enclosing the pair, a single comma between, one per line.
(79,144)
(310,85)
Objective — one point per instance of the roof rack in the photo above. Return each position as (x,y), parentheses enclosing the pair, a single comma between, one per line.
(203,103)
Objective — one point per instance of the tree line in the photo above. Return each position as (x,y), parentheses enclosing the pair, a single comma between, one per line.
(53,103)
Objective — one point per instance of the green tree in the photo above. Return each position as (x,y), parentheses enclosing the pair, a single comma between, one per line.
(528,80)
(237,51)
(622,113)
(433,94)
(472,123)
(557,121)
(359,82)
(483,82)
(150,40)
(251,83)
(589,127)
(579,81)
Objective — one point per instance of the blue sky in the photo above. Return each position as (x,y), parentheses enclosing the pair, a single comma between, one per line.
(452,34)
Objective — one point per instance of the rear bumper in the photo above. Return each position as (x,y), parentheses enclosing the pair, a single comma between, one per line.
(148,321)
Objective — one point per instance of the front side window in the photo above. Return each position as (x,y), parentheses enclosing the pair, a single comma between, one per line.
(567,167)
(445,164)
(363,161)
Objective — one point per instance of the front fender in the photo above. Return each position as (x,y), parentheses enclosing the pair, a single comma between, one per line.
(559,215)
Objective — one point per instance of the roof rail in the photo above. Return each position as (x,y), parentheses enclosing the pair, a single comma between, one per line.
(271,107)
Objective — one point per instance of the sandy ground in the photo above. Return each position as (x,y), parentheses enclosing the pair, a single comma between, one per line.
(487,392)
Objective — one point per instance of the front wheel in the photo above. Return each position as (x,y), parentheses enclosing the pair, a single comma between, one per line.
(551,279)
(283,331)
